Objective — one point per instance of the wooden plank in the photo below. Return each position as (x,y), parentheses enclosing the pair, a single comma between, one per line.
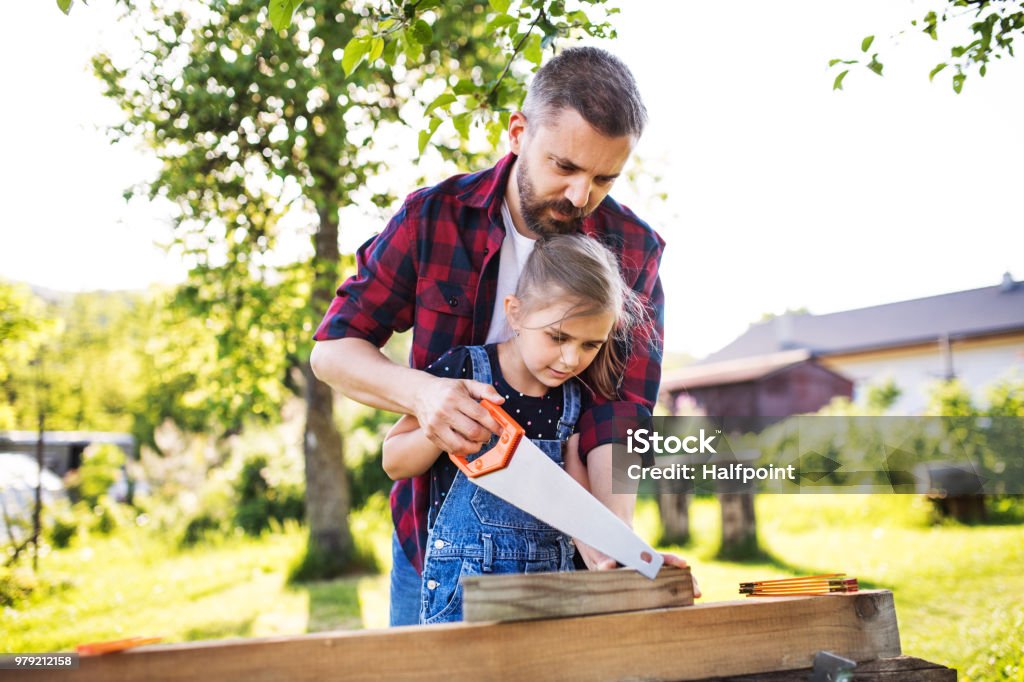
(903,669)
(900,668)
(510,597)
(691,643)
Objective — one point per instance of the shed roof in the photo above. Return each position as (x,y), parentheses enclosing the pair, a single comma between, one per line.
(731,371)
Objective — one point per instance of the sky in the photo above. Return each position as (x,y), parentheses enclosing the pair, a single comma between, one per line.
(781,193)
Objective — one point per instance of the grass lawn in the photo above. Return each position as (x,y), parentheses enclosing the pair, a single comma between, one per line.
(133,583)
(958,589)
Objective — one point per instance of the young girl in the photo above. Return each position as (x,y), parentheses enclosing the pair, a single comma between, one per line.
(570,311)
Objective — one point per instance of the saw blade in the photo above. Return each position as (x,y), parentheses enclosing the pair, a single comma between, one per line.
(539,486)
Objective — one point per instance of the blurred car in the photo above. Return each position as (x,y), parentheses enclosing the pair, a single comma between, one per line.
(19,476)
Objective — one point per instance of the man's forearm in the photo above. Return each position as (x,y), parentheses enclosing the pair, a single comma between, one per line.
(357,369)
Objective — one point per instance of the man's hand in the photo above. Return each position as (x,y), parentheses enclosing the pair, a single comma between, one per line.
(450,414)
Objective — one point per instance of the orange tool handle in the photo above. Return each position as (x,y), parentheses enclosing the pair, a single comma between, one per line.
(97,648)
(500,455)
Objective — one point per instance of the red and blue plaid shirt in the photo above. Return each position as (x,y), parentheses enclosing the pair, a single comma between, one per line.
(435,269)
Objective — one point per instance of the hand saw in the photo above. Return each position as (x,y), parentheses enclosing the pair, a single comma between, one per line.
(518,472)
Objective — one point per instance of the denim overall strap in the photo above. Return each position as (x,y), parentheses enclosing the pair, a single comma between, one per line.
(481,365)
(570,409)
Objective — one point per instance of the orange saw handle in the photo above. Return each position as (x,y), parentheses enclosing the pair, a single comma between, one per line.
(500,455)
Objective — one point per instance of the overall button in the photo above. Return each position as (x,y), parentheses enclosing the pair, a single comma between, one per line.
(431,584)
(438,544)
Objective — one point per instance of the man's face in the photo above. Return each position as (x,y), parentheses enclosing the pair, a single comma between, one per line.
(564,170)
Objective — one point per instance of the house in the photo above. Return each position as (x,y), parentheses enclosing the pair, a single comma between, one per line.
(789,364)
(62,450)
(756,391)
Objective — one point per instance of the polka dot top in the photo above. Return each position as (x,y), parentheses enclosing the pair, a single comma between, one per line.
(537,415)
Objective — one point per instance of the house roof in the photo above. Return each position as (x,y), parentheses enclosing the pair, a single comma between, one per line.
(731,371)
(958,315)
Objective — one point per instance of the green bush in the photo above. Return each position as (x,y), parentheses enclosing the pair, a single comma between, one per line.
(63,530)
(108,516)
(101,466)
(201,528)
(16,586)
(261,506)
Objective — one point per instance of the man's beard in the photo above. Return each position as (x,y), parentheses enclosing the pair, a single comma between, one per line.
(535,212)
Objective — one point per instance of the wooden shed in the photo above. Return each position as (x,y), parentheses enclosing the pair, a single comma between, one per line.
(756,390)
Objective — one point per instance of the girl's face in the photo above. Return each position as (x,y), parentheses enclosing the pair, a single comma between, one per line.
(555,345)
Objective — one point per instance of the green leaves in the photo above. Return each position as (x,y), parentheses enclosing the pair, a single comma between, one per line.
(930,23)
(281,12)
(500,6)
(499,22)
(422,32)
(958,82)
(390,53)
(532,50)
(461,122)
(376,49)
(875,65)
(994,29)
(356,49)
(412,47)
(65,6)
(495,129)
(441,100)
(426,134)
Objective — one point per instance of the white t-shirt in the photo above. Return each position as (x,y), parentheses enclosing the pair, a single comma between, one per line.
(514,251)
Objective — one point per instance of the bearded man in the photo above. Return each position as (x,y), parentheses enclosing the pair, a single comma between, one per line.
(448,258)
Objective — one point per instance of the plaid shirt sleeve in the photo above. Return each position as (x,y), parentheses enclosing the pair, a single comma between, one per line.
(639,389)
(379,299)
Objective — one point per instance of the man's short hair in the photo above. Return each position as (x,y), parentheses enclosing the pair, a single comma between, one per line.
(594,83)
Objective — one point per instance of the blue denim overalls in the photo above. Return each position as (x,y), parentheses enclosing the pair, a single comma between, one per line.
(476,532)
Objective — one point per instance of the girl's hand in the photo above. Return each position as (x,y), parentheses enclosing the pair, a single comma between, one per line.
(679,562)
(596,561)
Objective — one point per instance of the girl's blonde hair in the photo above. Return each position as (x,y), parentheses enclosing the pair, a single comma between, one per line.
(580,268)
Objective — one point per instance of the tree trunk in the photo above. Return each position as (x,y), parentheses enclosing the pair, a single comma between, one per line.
(739,527)
(38,507)
(675,514)
(328,495)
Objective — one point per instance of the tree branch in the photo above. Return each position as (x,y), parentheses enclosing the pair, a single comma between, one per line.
(512,57)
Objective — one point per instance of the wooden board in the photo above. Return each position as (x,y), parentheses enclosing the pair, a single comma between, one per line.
(898,669)
(690,643)
(509,597)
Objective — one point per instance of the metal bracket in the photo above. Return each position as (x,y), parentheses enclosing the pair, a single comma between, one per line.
(831,668)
